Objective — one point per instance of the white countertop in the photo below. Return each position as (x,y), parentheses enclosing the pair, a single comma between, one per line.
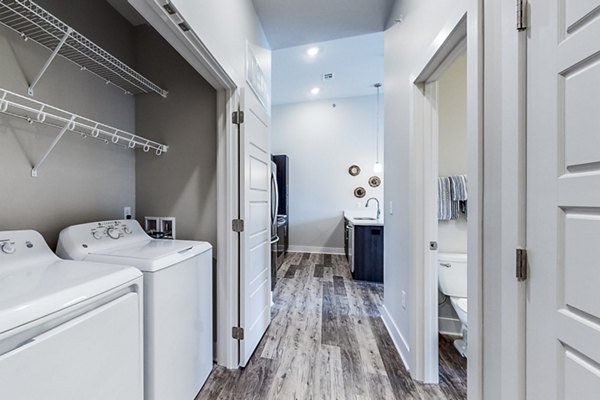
(355,217)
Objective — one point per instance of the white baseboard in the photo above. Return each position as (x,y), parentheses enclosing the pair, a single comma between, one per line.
(318,250)
(397,338)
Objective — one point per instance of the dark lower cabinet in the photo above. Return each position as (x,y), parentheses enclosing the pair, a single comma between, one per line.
(368,253)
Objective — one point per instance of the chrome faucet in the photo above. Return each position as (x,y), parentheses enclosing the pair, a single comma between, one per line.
(378,208)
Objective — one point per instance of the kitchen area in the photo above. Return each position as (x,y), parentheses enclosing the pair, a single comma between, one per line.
(363,243)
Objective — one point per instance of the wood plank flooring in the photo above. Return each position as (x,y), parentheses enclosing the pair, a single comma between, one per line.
(327,341)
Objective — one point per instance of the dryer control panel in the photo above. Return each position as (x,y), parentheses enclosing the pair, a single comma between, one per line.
(19,245)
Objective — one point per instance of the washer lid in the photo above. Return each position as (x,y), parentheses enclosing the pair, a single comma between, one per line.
(33,290)
(151,255)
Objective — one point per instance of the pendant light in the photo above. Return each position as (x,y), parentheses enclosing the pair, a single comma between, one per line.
(378,167)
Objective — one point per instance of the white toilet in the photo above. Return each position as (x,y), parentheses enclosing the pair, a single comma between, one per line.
(452,277)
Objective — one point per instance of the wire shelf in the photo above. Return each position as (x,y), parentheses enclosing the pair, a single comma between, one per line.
(34,111)
(33,22)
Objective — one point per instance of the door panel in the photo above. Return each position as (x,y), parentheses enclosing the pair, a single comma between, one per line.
(577,11)
(255,273)
(563,200)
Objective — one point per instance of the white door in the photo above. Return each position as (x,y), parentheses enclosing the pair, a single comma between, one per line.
(563,200)
(255,210)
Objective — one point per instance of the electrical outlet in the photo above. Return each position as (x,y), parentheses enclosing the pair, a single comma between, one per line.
(127,213)
(404,299)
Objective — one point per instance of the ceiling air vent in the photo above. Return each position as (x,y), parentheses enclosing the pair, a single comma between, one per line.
(328,76)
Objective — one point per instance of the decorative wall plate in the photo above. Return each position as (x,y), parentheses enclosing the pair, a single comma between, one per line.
(354,170)
(374,181)
(360,192)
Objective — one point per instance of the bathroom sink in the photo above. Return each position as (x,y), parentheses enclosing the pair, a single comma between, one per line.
(365,219)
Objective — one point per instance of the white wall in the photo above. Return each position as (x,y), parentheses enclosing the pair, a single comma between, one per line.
(322,141)
(452,154)
(406,45)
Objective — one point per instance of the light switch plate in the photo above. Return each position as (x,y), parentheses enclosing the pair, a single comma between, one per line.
(127,212)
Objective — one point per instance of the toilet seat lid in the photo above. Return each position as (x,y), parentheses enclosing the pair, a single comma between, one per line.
(461,303)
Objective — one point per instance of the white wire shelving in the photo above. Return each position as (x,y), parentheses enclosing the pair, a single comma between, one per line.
(34,111)
(33,22)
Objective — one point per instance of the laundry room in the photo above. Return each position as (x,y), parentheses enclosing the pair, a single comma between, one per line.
(86,178)
(103,124)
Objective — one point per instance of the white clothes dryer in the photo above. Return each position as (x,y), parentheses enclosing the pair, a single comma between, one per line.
(177,299)
(69,330)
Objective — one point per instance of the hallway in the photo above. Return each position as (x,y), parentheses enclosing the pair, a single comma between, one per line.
(327,341)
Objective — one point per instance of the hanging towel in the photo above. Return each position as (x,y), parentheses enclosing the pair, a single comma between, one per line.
(459,187)
(444,199)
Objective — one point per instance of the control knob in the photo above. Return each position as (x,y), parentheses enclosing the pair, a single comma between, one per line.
(97,235)
(113,233)
(7,248)
(127,230)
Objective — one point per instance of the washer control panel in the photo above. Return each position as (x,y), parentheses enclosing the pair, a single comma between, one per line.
(78,241)
(111,229)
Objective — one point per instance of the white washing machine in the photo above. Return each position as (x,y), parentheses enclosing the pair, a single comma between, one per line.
(177,299)
(69,330)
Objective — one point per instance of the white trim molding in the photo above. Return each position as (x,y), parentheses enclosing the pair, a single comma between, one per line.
(399,341)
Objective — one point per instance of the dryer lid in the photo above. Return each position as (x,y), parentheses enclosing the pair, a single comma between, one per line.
(32,291)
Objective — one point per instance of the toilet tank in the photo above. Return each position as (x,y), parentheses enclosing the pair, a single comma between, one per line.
(452,274)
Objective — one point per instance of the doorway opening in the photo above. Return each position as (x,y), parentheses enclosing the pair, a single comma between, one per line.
(452,212)
(447,229)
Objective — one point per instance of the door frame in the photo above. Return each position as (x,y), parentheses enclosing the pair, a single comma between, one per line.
(227,84)
(462,31)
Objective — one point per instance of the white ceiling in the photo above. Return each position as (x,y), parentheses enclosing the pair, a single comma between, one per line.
(296,22)
(356,62)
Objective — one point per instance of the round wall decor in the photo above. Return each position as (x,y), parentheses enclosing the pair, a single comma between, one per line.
(360,192)
(354,170)
(374,181)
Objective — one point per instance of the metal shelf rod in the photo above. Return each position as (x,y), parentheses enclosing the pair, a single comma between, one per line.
(38,112)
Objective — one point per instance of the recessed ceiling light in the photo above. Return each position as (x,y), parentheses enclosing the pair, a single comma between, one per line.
(315,90)
(313,51)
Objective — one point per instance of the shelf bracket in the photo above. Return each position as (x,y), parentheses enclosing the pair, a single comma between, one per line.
(49,61)
(69,126)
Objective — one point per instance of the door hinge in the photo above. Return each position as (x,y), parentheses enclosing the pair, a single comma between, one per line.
(521,15)
(237,117)
(237,333)
(237,225)
(521,267)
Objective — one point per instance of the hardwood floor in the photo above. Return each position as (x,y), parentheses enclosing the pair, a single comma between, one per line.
(327,341)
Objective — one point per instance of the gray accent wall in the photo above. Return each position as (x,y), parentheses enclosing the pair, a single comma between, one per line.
(181,183)
(82,180)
